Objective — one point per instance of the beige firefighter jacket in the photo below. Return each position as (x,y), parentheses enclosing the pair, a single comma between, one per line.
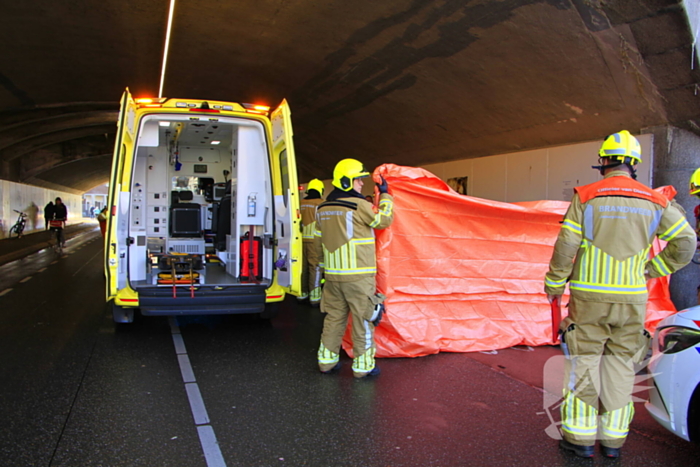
(603,246)
(308,218)
(344,236)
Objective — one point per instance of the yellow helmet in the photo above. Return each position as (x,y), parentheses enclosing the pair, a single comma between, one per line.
(695,183)
(346,171)
(621,146)
(315,184)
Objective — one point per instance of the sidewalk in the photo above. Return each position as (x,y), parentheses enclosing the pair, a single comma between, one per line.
(12,249)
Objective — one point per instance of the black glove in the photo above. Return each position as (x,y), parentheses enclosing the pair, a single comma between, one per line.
(384,186)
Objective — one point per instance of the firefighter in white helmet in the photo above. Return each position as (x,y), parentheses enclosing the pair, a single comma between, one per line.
(603,252)
(344,238)
(310,271)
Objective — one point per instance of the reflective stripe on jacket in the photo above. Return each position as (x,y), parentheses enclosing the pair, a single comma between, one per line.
(344,236)
(308,217)
(603,245)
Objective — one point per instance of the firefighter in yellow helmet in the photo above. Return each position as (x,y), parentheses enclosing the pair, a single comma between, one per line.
(310,271)
(695,191)
(602,251)
(344,239)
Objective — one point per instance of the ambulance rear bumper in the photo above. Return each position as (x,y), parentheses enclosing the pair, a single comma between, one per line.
(159,301)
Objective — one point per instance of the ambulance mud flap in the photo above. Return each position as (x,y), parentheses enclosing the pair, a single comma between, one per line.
(120,314)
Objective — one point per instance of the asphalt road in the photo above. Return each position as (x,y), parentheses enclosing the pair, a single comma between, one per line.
(239,391)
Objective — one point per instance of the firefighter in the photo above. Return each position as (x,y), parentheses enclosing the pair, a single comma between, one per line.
(695,191)
(344,240)
(311,272)
(603,252)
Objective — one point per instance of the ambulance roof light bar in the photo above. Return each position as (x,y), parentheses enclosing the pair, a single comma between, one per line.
(149,102)
(256,108)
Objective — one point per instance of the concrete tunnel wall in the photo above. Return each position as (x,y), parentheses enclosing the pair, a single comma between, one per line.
(549,173)
(31,200)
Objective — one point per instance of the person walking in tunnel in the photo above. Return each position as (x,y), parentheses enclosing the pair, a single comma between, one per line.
(60,213)
(602,251)
(48,214)
(310,271)
(102,220)
(344,240)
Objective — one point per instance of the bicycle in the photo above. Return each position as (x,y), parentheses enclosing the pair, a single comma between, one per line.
(57,225)
(18,228)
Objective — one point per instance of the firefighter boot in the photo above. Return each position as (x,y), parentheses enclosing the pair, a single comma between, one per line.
(581,451)
(610,452)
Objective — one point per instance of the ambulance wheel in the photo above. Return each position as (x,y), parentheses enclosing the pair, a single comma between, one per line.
(120,314)
(271,310)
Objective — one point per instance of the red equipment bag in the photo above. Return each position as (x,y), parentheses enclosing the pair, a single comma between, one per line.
(251,252)
(53,224)
(556,318)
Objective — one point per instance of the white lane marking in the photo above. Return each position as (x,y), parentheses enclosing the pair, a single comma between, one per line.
(5,291)
(179,344)
(88,262)
(212,451)
(26,279)
(186,369)
(207,437)
(42,270)
(199,411)
(54,262)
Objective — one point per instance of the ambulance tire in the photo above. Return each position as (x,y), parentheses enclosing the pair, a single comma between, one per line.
(121,315)
(271,311)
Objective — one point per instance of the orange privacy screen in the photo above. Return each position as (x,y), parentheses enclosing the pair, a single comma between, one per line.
(464,274)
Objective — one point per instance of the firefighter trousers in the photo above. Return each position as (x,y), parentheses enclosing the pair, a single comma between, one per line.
(358,299)
(310,275)
(604,340)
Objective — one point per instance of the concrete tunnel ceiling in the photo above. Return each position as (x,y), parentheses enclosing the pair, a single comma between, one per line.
(403,81)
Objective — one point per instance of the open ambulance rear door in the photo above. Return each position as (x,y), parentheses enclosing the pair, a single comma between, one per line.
(287,214)
(116,234)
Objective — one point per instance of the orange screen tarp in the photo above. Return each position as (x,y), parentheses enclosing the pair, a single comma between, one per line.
(466,274)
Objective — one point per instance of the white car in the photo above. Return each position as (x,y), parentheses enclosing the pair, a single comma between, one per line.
(674,399)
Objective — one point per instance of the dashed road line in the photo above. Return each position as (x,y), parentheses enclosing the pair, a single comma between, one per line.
(5,292)
(201,417)
(212,452)
(26,279)
(86,263)
(207,437)
(42,270)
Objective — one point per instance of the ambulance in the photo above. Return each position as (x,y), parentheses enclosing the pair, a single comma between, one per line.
(204,209)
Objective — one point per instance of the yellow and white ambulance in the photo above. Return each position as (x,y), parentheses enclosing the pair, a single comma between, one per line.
(204,209)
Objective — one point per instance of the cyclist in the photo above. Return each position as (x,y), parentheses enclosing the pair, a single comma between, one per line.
(60,213)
